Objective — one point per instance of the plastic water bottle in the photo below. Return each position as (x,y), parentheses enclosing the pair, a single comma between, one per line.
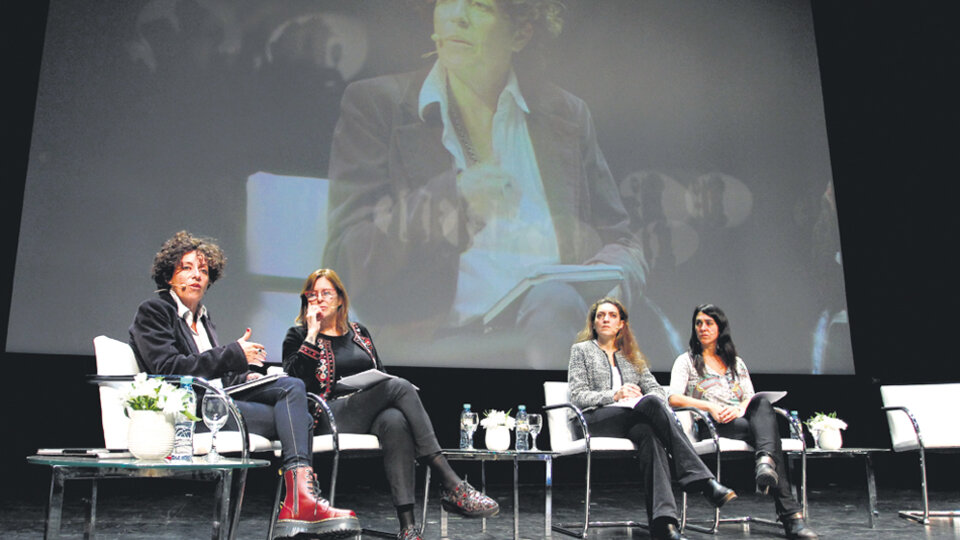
(523,429)
(794,417)
(468,424)
(183,428)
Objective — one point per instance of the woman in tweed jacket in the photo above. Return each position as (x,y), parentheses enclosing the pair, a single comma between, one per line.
(608,375)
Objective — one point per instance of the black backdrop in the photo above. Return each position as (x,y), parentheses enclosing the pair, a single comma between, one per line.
(891,114)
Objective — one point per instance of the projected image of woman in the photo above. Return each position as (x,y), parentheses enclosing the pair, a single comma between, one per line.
(607,367)
(453,183)
(173,333)
(711,377)
(322,348)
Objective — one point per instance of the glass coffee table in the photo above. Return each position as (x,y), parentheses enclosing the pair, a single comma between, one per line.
(850,453)
(483,456)
(227,500)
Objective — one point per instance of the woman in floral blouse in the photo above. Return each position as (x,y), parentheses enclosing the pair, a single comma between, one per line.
(711,377)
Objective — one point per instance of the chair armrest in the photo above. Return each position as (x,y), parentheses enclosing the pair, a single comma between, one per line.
(325,407)
(579,414)
(711,427)
(795,426)
(913,421)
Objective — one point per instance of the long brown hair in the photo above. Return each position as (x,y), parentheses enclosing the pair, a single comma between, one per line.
(342,311)
(625,342)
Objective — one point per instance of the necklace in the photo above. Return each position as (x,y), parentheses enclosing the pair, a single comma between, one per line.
(470,154)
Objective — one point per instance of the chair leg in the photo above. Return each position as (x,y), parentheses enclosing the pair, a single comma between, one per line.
(276,508)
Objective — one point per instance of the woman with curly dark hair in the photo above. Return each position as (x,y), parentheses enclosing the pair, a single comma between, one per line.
(711,377)
(608,375)
(172,333)
(326,346)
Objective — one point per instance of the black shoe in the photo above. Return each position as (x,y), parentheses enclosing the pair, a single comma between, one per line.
(766,473)
(716,493)
(795,527)
(665,529)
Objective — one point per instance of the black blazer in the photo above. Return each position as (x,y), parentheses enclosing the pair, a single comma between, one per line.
(394,192)
(163,344)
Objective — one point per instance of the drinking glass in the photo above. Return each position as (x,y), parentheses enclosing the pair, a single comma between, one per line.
(536,424)
(214,412)
(469,421)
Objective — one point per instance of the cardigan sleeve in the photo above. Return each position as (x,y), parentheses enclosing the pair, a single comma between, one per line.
(649,385)
(299,356)
(680,376)
(581,379)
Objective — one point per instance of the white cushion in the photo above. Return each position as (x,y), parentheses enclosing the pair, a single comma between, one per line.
(930,404)
(348,441)
(229,442)
(113,358)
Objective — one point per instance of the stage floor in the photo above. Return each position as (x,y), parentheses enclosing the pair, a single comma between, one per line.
(139,510)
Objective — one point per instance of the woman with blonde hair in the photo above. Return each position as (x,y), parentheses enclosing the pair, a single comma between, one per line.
(608,378)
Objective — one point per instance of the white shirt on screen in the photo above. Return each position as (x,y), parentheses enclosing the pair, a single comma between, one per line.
(505,250)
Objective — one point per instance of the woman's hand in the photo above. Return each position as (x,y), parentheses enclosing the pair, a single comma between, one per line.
(313,322)
(253,375)
(627,391)
(253,351)
(725,413)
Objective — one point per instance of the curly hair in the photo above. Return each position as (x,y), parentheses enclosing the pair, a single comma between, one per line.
(166,261)
(545,18)
(626,343)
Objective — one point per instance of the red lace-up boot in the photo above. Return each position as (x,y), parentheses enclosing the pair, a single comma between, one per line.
(305,511)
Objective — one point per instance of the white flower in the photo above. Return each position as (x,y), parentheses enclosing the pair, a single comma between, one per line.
(822,421)
(153,394)
(495,418)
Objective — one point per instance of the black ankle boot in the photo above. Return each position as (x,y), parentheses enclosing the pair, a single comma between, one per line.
(795,527)
(715,492)
(665,529)
(766,472)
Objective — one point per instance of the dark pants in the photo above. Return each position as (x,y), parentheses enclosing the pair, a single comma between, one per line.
(654,429)
(758,427)
(278,410)
(392,411)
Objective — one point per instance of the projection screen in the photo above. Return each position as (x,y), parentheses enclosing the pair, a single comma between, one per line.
(293,133)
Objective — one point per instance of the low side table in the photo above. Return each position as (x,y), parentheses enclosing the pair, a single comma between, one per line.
(65,468)
(516,457)
(866,454)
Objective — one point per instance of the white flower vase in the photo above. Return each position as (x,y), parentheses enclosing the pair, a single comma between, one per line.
(829,439)
(150,434)
(497,438)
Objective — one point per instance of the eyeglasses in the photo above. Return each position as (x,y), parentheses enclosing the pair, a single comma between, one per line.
(327,294)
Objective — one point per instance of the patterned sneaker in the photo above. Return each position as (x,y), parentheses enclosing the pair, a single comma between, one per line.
(410,533)
(468,502)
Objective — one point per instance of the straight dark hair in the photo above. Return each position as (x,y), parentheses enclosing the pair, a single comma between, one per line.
(725,347)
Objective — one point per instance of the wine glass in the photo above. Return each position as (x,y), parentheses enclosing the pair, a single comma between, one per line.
(214,413)
(468,423)
(536,424)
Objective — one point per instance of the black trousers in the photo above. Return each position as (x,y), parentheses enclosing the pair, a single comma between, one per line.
(392,411)
(654,429)
(278,410)
(758,427)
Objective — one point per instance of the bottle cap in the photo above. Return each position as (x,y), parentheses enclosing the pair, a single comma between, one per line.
(466,406)
(521,407)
